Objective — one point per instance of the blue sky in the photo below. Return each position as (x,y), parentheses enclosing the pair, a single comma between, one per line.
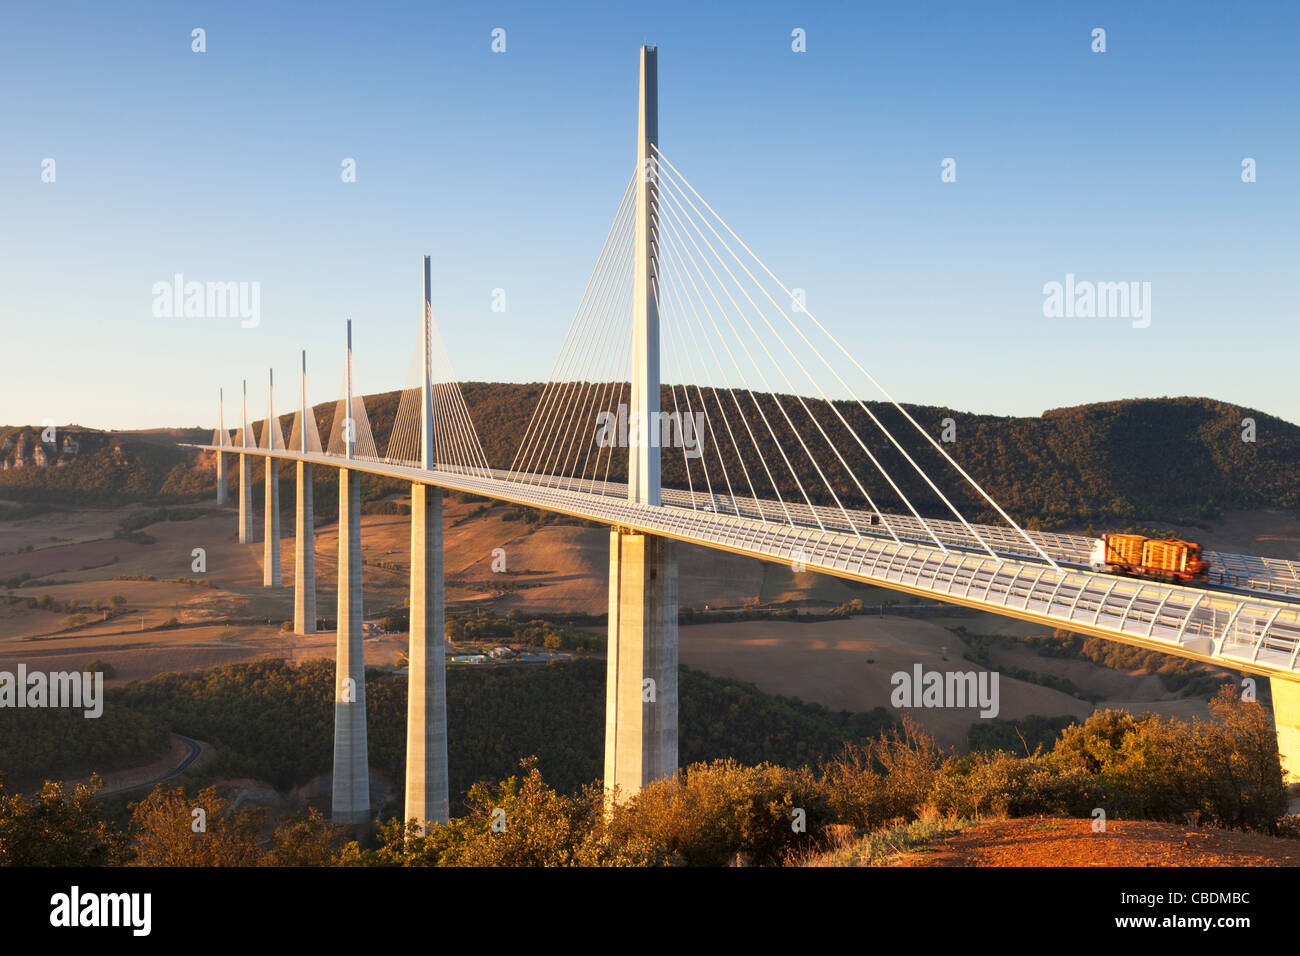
(507,169)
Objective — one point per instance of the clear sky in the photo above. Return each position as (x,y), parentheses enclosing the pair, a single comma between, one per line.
(507,168)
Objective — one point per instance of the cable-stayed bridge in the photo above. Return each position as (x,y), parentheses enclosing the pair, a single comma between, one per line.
(697,399)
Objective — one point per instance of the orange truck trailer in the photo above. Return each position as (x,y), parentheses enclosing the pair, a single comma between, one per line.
(1164,560)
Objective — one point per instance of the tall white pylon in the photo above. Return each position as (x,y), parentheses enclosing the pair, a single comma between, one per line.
(641,668)
(223,491)
(349,422)
(304,542)
(426,708)
(271,520)
(643,455)
(426,375)
(245,474)
(351,796)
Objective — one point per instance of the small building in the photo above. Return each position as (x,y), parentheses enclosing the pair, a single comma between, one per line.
(470,659)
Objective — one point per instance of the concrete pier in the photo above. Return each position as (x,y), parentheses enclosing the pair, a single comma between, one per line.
(641,670)
(304,556)
(1286,718)
(246,533)
(223,491)
(271,527)
(220,439)
(426,708)
(351,758)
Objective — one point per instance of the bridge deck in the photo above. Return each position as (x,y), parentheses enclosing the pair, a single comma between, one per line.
(1249,633)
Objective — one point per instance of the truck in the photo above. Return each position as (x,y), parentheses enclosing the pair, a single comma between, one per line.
(1169,560)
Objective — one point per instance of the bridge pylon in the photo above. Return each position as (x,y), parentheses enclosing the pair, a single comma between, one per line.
(351,791)
(641,669)
(426,700)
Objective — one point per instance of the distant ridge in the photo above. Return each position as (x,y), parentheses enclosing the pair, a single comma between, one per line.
(1176,460)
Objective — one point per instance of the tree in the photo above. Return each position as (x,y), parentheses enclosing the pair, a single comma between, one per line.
(306,841)
(55,827)
(172,829)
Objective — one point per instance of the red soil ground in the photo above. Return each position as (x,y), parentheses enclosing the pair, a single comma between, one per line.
(1050,841)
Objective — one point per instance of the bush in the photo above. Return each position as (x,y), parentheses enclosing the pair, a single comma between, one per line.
(518,823)
(103,667)
(721,812)
(56,827)
(885,779)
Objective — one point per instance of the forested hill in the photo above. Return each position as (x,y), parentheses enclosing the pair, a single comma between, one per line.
(1170,459)
(1180,460)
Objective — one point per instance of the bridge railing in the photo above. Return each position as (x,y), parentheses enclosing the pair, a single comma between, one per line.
(1208,623)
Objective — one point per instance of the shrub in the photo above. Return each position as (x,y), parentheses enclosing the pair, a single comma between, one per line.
(885,779)
(103,667)
(711,814)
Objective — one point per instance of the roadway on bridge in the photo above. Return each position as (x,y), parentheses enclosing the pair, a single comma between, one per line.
(1256,634)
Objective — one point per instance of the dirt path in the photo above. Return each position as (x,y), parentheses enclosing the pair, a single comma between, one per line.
(1052,841)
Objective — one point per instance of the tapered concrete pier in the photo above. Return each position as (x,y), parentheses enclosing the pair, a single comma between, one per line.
(351,765)
(271,527)
(304,557)
(223,491)
(304,541)
(351,799)
(271,530)
(246,532)
(426,700)
(641,668)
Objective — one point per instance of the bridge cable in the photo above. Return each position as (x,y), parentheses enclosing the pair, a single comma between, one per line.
(671,223)
(869,376)
(924,523)
(534,425)
(576,362)
(670,274)
(789,384)
(679,268)
(566,435)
